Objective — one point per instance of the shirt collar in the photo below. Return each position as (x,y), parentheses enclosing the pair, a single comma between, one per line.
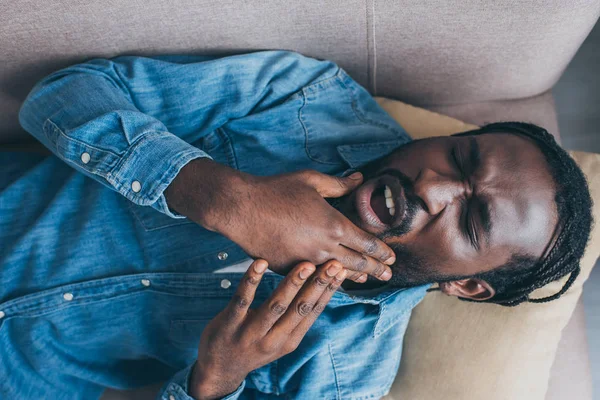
(357,155)
(394,305)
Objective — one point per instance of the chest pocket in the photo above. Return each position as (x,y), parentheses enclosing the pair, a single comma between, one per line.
(339,103)
(219,147)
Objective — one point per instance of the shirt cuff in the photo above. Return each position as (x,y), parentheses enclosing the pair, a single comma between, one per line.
(149,166)
(177,388)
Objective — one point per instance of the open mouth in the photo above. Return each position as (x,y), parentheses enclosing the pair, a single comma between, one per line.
(380,202)
(383,204)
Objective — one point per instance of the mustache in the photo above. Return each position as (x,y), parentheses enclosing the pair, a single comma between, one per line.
(413,203)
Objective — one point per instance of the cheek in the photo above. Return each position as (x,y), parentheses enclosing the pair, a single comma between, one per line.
(442,249)
(427,153)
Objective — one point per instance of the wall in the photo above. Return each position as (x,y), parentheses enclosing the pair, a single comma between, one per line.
(577,96)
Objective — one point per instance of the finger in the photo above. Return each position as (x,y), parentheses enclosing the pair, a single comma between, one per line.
(244,295)
(331,186)
(305,301)
(304,325)
(357,277)
(356,262)
(367,244)
(279,301)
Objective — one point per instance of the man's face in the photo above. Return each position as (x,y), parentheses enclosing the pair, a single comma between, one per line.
(461,205)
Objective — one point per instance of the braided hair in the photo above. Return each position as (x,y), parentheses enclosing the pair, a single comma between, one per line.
(522,274)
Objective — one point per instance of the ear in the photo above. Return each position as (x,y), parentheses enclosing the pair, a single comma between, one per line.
(471,288)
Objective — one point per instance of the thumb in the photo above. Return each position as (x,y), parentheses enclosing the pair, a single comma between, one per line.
(334,186)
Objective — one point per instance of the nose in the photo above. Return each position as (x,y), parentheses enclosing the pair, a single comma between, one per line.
(438,191)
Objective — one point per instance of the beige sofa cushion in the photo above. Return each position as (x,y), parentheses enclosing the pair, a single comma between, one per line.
(455,350)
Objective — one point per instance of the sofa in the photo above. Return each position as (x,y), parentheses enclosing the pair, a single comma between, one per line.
(475,60)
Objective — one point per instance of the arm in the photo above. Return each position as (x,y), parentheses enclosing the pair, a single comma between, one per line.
(130,124)
(136,117)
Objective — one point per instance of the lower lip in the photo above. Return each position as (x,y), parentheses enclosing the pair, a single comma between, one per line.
(363,206)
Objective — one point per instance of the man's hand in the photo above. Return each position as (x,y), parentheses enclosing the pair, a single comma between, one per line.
(239,340)
(296,221)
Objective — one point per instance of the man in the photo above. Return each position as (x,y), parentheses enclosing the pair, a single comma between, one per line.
(202,159)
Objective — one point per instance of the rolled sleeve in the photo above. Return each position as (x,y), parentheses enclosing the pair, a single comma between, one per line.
(178,388)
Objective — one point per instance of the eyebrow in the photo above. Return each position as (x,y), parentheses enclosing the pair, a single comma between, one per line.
(474,153)
(484,205)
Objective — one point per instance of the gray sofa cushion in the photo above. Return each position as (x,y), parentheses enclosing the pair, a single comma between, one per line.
(421,52)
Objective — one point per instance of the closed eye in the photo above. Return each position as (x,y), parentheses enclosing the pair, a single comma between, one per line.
(468,225)
(472,230)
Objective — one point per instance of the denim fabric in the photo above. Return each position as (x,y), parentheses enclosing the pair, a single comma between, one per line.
(103,286)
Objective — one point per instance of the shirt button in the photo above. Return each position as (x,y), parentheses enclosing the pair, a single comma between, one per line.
(146,282)
(85,158)
(225,283)
(222,256)
(136,186)
(2,314)
(68,296)
(171,397)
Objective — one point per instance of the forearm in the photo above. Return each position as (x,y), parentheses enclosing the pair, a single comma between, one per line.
(201,189)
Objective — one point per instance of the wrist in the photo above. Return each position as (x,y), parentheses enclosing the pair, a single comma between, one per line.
(203,386)
(198,191)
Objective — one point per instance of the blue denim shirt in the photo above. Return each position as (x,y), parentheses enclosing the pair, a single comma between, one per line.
(103,286)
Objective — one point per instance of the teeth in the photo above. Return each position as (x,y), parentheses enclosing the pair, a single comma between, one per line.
(389,202)
(388,192)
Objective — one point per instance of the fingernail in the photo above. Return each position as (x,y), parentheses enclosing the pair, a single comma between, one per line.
(341,275)
(390,260)
(333,269)
(362,279)
(260,267)
(387,275)
(306,272)
(356,175)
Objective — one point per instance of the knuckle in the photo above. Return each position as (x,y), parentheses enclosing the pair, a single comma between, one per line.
(244,341)
(318,309)
(332,287)
(277,308)
(371,245)
(266,347)
(362,263)
(321,256)
(290,347)
(239,301)
(320,281)
(304,308)
(307,175)
(354,276)
(295,282)
(337,230)
(252,280)
(378,270)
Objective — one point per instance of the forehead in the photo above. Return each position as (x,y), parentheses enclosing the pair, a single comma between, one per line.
(515,179)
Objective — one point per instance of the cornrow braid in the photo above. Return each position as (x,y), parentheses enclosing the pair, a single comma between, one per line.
(522,274)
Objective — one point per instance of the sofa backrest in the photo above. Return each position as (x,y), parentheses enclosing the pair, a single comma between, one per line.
(422,52)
